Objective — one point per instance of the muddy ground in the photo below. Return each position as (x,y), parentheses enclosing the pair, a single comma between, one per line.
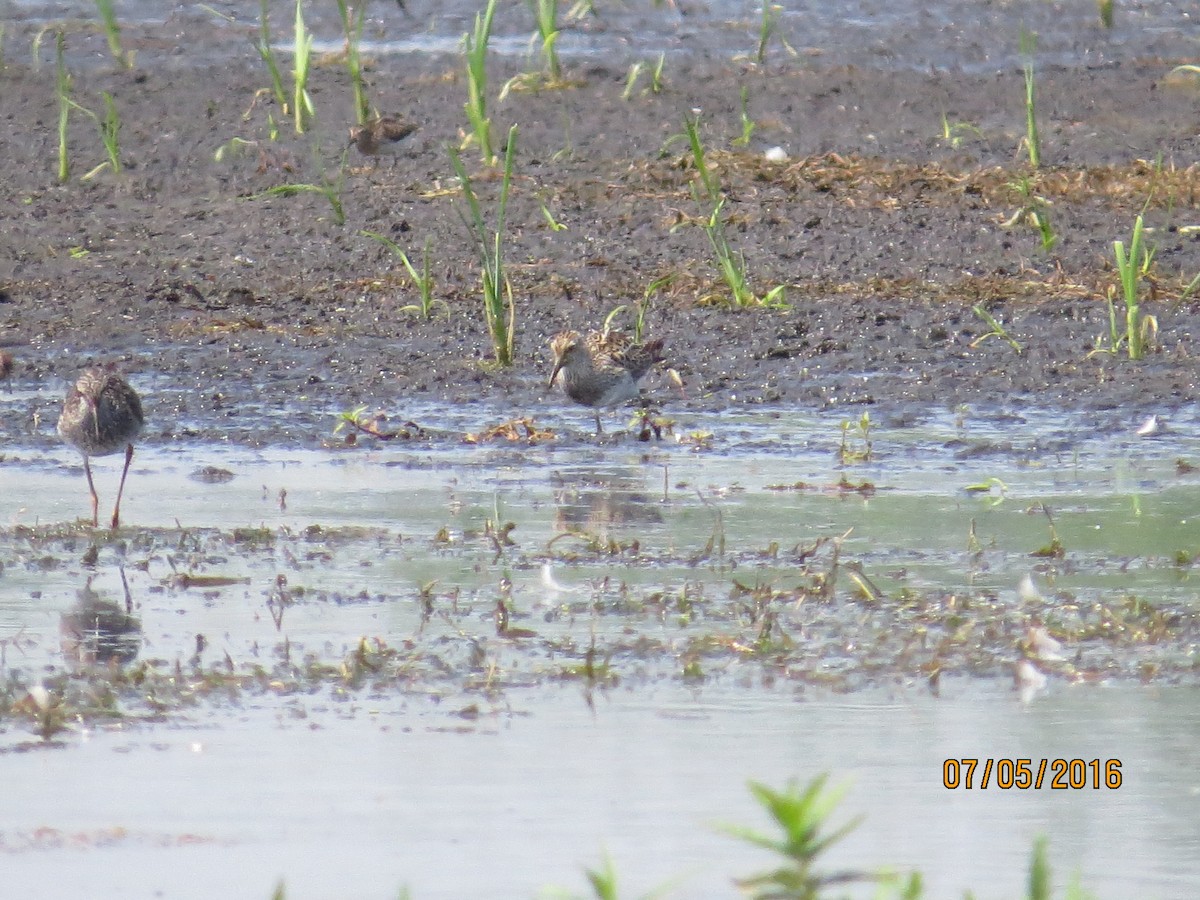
(885,232)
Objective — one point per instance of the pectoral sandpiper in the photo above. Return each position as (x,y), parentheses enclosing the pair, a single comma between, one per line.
(602,369)
(102,414)
(381,135)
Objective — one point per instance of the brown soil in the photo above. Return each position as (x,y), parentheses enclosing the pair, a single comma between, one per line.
(885,233)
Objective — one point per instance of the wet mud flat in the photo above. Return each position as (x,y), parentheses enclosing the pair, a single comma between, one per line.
(886,230)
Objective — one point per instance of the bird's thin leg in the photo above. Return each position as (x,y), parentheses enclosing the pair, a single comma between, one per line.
(116,519)
(599,429)
(87,470)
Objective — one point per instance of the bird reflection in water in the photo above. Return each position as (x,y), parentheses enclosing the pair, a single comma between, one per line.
(601,504)
(96,631)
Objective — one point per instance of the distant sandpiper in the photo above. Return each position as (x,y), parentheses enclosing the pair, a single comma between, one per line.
(6,368)
(381,136)
(102,414)
(601,370)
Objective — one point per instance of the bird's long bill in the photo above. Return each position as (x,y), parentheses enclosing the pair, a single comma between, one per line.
(557,368)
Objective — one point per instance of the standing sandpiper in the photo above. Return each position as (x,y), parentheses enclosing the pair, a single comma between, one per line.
(381,136)
(102,413)
(601,370)
(6,368)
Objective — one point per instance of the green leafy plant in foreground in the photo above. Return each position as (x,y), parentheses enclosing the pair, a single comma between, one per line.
(730,263)
(801,815)
(498,307)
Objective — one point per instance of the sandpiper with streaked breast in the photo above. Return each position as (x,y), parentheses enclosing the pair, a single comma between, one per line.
(102,414)
(603,369)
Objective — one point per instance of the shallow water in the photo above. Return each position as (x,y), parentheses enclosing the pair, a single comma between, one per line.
(525,774)
(359,798)
(951,35)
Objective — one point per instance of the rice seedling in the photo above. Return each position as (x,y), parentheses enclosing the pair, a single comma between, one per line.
(554,224)
(635,72)
(268,56)
(1032,142)
(352,27)
(545,12)
(656,79)
(423,280)
(63,87)
(730,263)
(1105,8)
(748,124)
(581,10)
(498,307)
(302,41)
(998,330)
(1132,267)
(110,129)
(329,188)
(475,48)
(768,24)
(112,33)
(954,133)
(1035,210)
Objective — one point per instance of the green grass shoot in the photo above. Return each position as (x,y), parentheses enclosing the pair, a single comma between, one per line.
(63,86)
(1132,267)
(1035,209)
(110,130)
(997,331)
(268,57)
(329,188)
(656,79)
(302,42)
(954,133)
(545,12)
(1032,141)
(730,263)
(112,33)
(635,72)
(423,280)
(748,124)
(768,23)
(476,47)
(352,27)
(1105,8)
(499,309)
